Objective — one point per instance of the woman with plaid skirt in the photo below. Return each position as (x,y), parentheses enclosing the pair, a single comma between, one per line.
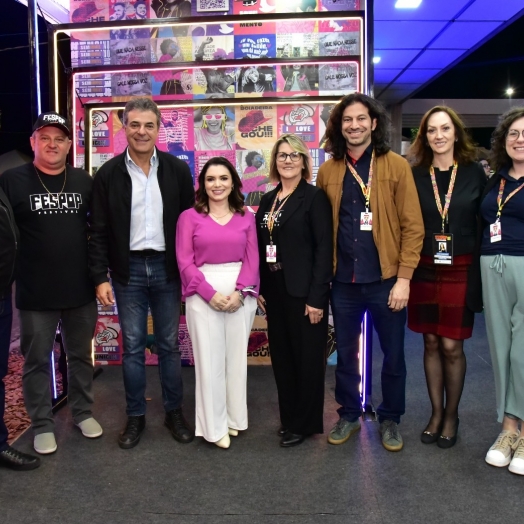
(449,185)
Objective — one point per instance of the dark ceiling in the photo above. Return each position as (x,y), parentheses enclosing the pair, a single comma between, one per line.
(487,72)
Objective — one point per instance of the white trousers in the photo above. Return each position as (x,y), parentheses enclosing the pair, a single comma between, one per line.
(219,342)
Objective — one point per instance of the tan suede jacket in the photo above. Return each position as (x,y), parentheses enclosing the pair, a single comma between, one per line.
(398,228)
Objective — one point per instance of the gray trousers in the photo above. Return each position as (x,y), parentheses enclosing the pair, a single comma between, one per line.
(37,335)
(503,295)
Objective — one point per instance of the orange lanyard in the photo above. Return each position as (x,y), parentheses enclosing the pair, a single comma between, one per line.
(443,212)
(366,189)
(501,204)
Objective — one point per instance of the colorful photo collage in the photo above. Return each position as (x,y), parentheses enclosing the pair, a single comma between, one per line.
(243,134)
(215,42)
(82,11)
(334,78)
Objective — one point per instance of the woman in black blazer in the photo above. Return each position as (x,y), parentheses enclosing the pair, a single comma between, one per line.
(295,237)
(449,185)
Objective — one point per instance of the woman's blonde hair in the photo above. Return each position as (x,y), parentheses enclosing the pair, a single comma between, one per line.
(300,147)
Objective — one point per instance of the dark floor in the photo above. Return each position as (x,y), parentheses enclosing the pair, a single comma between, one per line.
(256,481)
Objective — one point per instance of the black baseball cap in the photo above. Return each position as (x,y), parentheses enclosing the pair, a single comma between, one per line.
(52,119)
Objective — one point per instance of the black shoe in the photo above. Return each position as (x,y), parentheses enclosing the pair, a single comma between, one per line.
(426,437)
(178,426)
(291,439)
(130,437)
(448,442)
(281,431)
(14,459)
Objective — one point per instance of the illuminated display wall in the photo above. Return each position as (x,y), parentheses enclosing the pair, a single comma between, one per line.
(229,77)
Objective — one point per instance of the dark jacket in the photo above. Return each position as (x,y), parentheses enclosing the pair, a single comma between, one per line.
(463,209)
(474,295)
(110,223)
(8,245)
(305,243)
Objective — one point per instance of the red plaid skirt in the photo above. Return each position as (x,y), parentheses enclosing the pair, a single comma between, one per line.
(437,300)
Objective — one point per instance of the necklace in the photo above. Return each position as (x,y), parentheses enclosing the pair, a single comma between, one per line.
(281,197)
(41,181)
(218,218)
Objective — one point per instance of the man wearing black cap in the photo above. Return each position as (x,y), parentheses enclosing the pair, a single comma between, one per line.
(50,202)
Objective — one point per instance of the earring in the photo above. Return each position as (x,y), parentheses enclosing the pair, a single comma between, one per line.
(456,139)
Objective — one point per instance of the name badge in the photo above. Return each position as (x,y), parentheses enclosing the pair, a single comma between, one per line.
(271,253)
(366,221)
(443,249)
(495,232)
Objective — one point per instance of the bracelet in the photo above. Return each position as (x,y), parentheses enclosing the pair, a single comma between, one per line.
(241,296)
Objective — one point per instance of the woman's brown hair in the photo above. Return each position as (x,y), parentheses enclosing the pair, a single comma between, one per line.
(420,152)
(235,198)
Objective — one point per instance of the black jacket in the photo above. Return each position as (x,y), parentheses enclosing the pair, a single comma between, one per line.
(463,208)
(305,243)
(110,222)
(474,295)
(8,245)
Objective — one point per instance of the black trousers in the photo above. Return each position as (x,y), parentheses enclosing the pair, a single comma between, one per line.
(298,356)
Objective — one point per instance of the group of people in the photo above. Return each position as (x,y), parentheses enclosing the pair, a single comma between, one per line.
(432,243)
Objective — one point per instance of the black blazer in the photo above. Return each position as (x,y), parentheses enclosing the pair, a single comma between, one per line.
(9,239)
(110,220)
(305,243)
(463,208)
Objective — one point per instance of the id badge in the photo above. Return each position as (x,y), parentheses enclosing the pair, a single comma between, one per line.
(443,249)
(366,221)
(271,253)
(495,232)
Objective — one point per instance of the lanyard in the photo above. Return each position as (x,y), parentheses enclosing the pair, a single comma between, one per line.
(501,204)
(443,212)
(274,212)
(366,190)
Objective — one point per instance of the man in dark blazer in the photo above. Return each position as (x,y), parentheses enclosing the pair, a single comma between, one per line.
(137,199)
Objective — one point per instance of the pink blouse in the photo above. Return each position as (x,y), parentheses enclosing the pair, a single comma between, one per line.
(200,240)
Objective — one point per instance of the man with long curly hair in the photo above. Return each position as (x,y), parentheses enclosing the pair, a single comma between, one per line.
(378,234)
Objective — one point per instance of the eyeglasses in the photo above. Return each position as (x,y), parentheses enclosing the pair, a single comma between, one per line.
(215,116)
(294,156)
(514,135)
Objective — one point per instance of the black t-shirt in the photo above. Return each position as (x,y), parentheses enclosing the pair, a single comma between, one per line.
(52,271)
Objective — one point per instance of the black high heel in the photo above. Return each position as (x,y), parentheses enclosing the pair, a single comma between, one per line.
(448,442)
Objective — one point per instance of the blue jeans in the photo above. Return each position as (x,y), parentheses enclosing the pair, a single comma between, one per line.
(349,302)
(149,287)
(6,319)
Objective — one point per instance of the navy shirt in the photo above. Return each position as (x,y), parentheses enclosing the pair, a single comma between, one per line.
(357,255)
(511,219)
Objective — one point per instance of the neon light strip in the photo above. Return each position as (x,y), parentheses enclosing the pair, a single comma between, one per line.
(98,28)
(363,355)
(37,60)
(54,373)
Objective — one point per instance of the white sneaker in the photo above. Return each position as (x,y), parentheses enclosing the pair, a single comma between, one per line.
(499,455)
(232,432)
(45,443)
(90,428)
(517,463)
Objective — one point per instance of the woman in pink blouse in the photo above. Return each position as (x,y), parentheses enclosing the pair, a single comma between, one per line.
(216,248)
